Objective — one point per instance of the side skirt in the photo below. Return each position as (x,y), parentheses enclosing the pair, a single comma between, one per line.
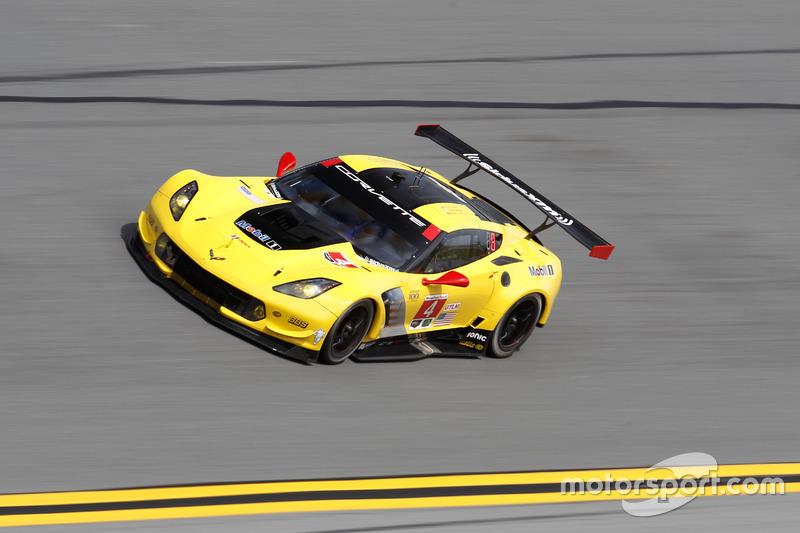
(463,342)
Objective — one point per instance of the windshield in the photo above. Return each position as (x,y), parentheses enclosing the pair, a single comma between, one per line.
(370,237)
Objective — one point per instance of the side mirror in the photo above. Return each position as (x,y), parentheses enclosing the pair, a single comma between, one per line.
(453,278)
(287,163)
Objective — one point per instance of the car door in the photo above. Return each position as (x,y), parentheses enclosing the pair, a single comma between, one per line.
(437,297)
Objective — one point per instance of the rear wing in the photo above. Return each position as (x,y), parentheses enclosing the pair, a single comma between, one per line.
(598,246)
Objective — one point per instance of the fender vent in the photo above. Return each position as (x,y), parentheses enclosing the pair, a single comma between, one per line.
(505,260)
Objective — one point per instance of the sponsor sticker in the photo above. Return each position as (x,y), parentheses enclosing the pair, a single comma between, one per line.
(250,196)
(339,259)
(375,262)
(541,270)
(558,217)
(473,345)
(258,235)
(429,311)
(421,323)
(298,322)
(477,336)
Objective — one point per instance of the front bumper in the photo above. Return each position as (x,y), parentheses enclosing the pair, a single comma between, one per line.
(137,250)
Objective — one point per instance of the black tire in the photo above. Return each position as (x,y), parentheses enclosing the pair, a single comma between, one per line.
(515,327)
(347,333)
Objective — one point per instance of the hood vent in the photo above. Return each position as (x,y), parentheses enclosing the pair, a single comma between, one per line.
(286,227)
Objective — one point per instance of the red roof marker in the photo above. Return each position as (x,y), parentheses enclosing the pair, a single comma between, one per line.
(431,232)
(331,162)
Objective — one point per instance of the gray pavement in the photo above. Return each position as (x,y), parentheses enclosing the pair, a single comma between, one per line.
(684,341)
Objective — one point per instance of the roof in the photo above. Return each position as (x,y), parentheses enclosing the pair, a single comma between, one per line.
(415,190)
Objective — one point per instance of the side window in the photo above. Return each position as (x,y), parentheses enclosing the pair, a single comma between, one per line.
(461,248)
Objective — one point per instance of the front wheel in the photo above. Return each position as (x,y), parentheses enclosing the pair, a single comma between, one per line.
(347,333)
(516,326)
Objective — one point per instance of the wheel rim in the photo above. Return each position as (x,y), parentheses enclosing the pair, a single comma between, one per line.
(347,337)
(518,325)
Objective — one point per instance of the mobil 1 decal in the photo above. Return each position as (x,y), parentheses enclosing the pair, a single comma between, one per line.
(541,270)
(258,235)
(430,312)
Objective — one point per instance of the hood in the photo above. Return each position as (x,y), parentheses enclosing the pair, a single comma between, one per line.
(256,247)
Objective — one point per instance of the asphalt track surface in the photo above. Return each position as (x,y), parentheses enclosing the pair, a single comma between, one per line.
(670,128)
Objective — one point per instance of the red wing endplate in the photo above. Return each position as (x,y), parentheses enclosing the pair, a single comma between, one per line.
(598,246)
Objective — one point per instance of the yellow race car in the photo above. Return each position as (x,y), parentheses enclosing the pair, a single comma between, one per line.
(357,256)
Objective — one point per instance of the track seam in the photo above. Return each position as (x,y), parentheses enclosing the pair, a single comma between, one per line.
(452,104)
(256,67)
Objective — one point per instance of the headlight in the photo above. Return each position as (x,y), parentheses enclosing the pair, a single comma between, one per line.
(181,199)
(161,245)
(255,311)
(165,250)
(307,288)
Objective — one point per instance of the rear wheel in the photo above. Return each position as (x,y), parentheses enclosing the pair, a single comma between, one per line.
(516,326)
(347,333)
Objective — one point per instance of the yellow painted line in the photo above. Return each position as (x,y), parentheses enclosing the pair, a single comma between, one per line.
(303,503)
(459,480)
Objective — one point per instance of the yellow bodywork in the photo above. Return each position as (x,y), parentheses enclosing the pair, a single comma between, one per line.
(207,234)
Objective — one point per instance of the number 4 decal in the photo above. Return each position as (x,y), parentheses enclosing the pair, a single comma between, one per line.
(432,305)
(430,311)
